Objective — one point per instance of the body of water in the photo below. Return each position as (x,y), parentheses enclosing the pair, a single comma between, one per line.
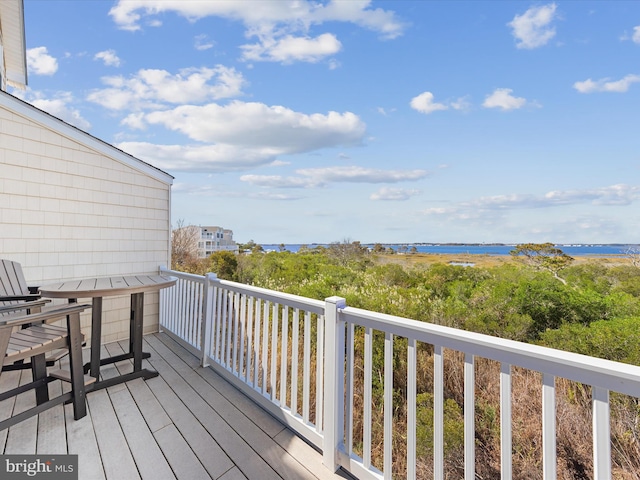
(575,250)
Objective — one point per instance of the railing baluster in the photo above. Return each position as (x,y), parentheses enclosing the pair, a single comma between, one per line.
(319,373)
(256,346)
(274,350)
(295,342)
(265,347)
(350,386)
(549,426)
(231,312)
(192,310)
(218,321)
(411,409)
(306,375)
(206,318)
(505,421)
(243,336)
(469,418)
(368,365)
(236,333)
(250,359)
(388,405)
(181,309)
(224,346)
(601,434)
(438,412)
(284,357)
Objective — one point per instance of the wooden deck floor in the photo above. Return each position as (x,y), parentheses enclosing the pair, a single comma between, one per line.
(188,424)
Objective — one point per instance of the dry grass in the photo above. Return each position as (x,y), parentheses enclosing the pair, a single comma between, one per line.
(484,261)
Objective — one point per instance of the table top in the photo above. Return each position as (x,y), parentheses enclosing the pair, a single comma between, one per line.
(107,286)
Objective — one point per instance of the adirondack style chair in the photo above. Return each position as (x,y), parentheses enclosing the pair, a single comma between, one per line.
(15,291)
(32,343)
(13,286)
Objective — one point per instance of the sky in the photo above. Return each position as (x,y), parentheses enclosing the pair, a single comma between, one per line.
(392,121)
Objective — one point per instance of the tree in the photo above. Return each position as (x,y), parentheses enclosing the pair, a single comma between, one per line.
(544,256)
(379,248)
(633,253)
(184,244)
(345,252)
(224,264)
(251,246)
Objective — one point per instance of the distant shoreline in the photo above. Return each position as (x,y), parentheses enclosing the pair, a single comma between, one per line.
(491,249)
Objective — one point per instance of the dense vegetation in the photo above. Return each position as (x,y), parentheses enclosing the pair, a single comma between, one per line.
(588,308)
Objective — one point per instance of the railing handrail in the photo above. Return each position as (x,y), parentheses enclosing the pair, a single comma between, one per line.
(599,372)
(296,301)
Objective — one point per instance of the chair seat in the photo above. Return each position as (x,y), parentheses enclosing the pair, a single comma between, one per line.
(35,340)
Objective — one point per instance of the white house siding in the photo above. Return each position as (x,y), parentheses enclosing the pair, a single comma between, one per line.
(73,207)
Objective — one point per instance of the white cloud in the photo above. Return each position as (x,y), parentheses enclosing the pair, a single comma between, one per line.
(320,177)
(109,58)
(605,85)
(533,28)
(202,42)
(198,158)
(39,62)
(280,27)
(273,129)
(636,34)
(424,103)
(613,195)
(362,175)
(278,181)
(151,88)
(394,194)
(264,14)
(461,103)
(502,98)
(240,135)
(60,107)
(288,49)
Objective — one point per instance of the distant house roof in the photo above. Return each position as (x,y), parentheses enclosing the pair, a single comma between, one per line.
(41,117)
(12,40)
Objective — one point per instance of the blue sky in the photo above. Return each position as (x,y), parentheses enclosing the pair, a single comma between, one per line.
(397,121)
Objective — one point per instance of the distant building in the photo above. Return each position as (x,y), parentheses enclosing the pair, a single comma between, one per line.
(215,239)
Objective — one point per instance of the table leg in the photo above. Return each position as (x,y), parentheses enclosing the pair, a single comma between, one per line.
(96,334)
(135,335)
(136,318)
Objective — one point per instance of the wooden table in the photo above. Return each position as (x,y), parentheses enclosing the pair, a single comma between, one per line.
(97,288)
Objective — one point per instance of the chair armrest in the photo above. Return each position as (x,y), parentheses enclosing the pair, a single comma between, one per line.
(57,312)
(23,306)
(13,298)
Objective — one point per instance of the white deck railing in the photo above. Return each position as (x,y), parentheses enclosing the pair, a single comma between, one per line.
(299,359)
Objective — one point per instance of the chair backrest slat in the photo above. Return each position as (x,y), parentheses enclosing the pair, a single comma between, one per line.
(12,281)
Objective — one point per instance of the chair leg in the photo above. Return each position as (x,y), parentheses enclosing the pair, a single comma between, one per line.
(77,369)
(39,372)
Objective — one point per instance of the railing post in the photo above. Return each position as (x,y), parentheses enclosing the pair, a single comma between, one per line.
(334,356)
(162,313)
(207,317)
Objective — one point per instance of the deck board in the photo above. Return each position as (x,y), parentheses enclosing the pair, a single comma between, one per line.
(187,423)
